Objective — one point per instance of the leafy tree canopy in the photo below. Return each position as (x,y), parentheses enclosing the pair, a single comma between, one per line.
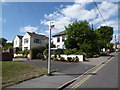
(104,34)
(3,41)
(81,36)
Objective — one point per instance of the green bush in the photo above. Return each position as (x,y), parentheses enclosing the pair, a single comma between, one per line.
(24,53)
(76,59)
(57,52)
(89,55)
(45,52)
(36,50)
(95,55)
(79,52)
(70,51)
(55,56)
(103,53)
(40,56)
(69,59)
(62,59)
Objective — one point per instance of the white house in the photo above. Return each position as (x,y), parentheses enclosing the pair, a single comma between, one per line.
(17,42)
(30,40)
(58,40)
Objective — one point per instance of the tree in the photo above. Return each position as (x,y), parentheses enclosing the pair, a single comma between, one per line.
(104,34)
(81,36)
(8,45)
(3,41)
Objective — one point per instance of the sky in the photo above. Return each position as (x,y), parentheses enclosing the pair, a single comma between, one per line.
(20,17)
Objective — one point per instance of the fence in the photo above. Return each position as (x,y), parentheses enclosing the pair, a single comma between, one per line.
(6,56)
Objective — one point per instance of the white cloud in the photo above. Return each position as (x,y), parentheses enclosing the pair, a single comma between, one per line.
(78,11)
(2,0)
(29,29)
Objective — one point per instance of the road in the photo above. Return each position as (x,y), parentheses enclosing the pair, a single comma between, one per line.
(65,68)
(106,76)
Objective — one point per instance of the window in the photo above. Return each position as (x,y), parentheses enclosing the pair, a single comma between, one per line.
(25,48)
(16,42)
(58,39)
(63,38)
(37,40)
(63,46)
(58,46)
(26,40)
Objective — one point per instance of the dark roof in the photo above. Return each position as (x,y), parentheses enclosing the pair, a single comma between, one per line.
(20,36)
(60,34)
(37,35)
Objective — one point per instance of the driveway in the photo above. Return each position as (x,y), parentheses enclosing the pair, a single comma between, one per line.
(68,68)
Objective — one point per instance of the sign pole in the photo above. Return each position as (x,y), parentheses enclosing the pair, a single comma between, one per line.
(49,53)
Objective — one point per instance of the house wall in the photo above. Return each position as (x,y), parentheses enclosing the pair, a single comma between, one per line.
(31,43)
(59,44)
(43,43)
(26,44)
(118,46)
(17,42)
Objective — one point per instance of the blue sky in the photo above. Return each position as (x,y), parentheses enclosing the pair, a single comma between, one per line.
(19,17)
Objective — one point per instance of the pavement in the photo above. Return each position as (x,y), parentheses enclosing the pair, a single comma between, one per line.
(58,79)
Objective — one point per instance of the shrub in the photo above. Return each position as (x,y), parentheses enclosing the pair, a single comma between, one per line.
(59,52)
(36,50)
(76,59)
(79,52)
(62,59)
(70,51)
(69,59)
(40,56)
(103,53)
(95,55)
(24,53)
(89,55)
(45,52)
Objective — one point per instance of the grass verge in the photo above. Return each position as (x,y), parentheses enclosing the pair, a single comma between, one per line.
(15,72)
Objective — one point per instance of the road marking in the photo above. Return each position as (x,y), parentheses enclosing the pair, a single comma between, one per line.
(87,77)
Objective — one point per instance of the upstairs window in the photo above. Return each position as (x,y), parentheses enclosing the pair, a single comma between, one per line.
(16,42)
(37,40)
(26,40)
(58,39)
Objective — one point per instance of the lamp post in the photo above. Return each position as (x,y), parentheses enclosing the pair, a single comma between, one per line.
(49,52)
(51,26)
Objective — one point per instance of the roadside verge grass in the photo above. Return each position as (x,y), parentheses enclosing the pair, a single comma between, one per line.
(15,72)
